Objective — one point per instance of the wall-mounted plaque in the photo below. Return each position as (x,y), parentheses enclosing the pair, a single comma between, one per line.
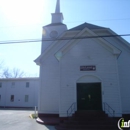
(88,68)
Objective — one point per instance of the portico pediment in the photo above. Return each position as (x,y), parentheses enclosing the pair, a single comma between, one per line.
(86,34)
(73,38)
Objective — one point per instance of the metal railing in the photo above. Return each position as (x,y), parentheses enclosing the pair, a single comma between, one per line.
(108,109)
(71,109)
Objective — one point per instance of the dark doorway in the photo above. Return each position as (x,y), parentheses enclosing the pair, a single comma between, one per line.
(89,96)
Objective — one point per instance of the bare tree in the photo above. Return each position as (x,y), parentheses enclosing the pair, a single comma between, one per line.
(14,73)
(5,72)
(1,67)
(17,73)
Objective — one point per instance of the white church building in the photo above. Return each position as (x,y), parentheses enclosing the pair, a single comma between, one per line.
(87,66)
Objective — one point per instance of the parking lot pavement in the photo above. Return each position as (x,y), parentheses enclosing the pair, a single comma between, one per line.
(20,120)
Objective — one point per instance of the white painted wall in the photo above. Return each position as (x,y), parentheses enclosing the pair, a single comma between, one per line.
(49,88)
(124,69)
(58,78)
(89,52)
(19,90)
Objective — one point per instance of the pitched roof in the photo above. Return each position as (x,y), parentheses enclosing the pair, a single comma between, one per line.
(84,25)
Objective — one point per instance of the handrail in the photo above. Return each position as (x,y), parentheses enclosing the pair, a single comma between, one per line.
(71,109)
(109,109)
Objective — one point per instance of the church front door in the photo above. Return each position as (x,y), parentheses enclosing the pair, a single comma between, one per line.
(89,96)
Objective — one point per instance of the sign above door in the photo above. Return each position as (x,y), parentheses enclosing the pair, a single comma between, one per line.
(88,68)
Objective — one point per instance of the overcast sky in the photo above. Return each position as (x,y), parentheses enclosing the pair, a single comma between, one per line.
(23,19)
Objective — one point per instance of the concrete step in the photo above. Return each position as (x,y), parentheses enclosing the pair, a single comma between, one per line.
(88,120)
(61,128)
(67,122)
(88,126)
(90,114)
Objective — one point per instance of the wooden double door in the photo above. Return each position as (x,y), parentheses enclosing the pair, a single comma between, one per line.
(89,96)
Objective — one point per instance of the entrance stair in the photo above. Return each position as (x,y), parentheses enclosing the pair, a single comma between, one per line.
(88,120)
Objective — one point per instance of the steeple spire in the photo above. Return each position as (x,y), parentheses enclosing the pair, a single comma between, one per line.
(57,7)
(57,17)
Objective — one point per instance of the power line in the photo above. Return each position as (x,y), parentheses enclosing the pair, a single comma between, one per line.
(57,39)
(20,41)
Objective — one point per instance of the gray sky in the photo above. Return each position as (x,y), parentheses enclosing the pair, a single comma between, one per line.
(23,19)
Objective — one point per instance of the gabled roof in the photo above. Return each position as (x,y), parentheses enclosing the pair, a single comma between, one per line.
(114,50)
(84,25)
(72,42)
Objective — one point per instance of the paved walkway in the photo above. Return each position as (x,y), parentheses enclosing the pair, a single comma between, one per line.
(20,120)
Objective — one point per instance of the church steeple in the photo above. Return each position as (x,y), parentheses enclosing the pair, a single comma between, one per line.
(57,7)
(57,17)
(55,29)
